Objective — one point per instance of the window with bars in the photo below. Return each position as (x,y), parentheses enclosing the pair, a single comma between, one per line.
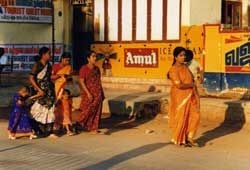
(136,20)
(231,14)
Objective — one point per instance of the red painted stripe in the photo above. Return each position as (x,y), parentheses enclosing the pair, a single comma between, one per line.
(240,69)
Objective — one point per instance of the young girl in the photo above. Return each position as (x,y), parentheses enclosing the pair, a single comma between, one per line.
(19,122)
(64,111)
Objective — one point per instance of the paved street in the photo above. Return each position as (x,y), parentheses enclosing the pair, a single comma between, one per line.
(134,145)
(138,51)
(128,147)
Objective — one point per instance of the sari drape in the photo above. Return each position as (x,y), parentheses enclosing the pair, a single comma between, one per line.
(63,112)
(91,110)
(43,108)
(19,121)
(184,113)
(60,82)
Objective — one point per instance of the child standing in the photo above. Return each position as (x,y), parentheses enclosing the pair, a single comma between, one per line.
(194,66)
(64,111)
(19,121)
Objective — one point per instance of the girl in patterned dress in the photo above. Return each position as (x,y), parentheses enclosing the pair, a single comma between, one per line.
(19,124)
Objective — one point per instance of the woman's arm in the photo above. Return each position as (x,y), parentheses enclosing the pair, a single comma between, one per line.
(200,76)
(174,75)
(34,71)
(84,88)
(55,76)
(33,83)
(184,86)
(19,102)
(35,96)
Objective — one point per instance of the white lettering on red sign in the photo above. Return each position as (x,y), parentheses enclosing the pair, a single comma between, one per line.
(141,57)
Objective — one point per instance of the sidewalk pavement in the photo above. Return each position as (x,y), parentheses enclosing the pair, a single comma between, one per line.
(130,144)
(138,145)
(132,103)
(129,103)
(138,102)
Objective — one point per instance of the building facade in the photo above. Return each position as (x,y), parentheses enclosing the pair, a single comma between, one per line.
(143,33)
(135,37)
(27,25)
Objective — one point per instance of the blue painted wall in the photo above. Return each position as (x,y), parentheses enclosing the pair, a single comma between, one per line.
(221,81)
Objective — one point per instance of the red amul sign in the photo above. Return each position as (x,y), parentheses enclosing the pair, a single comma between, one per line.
(141,57)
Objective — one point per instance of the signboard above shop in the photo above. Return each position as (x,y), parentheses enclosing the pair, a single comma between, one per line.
(28,11)
(23,55)
(141,57)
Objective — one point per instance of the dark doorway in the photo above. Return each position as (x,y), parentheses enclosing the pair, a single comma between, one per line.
(82,35)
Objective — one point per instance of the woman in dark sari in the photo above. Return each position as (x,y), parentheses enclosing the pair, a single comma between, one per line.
(42,111)
(91,94)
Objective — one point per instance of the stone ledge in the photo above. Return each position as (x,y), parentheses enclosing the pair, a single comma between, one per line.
(140,84)
(225,110)
(135,80)
(218,110)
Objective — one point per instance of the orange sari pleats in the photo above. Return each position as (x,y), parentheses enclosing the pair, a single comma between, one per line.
(184,115)
(60,83)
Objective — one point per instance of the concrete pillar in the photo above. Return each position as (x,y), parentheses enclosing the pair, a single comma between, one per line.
(58,5)
(67,25)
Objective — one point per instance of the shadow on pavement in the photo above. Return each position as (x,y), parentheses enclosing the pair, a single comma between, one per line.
(109,163)
(233,122)
(13,148)
(128,117)
(5,113)
(115,124)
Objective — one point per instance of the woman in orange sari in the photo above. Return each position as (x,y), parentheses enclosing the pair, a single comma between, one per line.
(61,72)
(184,114)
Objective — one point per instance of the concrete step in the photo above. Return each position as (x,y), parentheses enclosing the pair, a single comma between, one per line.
(132,84)
(130,103)
(140,84)
(130,97)
(144,104)
(225,110)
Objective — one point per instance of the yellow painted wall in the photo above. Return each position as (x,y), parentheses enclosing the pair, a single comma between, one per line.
(213,59)
(209,43)
(218,43)
(193,33)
